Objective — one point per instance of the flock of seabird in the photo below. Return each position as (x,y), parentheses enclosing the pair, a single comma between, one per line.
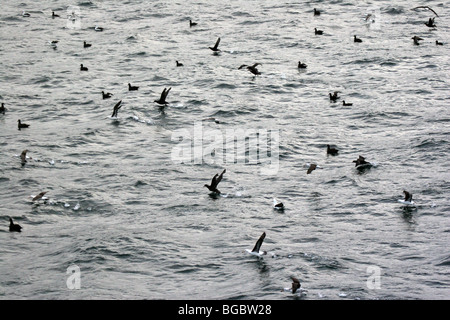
(359,163)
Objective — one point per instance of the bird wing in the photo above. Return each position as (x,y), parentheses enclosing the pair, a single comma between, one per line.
(217,43)
(214,181)
(425,7)
(40,195)
(242,66)
(311,168)
(220,177)
(259,243)
(256,64)
(116,108)
(166,93)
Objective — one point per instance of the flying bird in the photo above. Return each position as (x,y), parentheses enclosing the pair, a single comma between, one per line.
(13,226)
(425,7)
(252,68)
(162,99)
(311,168)
(430,23)
(23,157)
(256,249)
(215,181)
(316,12)
(116,109)
(416,40)
(215,48)
(334,96)
(295,284)
(39,196)
(277,204)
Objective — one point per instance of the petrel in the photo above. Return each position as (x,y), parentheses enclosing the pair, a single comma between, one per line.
(215,48)
(319,32)
(301,65)
(191,24)
(13,226)
(162,99)
(23,157)
(346,104)
(106,95)
(277,204)
(316,12)
(355,39)
(54,15)
(311,168)
(361,160)
(332,151)
(334,96)
(2,108)
(215,181)
(83,68)
(116,109)
(439,43)
(179,64)
(132,88)
(86,45)
(257,247)
(295,284)
(430,23)
(252,68)
(39,196)
(416,40)
(21,125)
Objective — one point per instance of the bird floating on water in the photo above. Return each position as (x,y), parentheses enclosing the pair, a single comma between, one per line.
(334,96)
(192,24)
(301,65)
(215,182)
(316,12)
(416,40)
(106,95)
(278,205)
(162,99)
(251,68)
(83,68)
(116,109)
(346,103)
(332,151)
(355,39)
(23,157)
(86,45)
(408,199)
(216,46)
(439,43)
(2,108)
(360,161)
(25,14)
(179,64)
(54,15)
(13,226)
(132,88)
(319,32)
(21,125)
(256,249)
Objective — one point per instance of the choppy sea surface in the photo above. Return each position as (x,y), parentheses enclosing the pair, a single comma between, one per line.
(127,221)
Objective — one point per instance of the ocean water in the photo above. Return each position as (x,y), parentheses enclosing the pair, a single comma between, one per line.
(124,219)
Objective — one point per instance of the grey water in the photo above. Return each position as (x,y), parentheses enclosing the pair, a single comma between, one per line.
(135,223)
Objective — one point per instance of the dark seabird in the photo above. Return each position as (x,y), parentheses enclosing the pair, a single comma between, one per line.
(277,204)
(132,88)
(408,198)
(346,104)
(295,284)
(332,151)
(355,39)
(83,68)
(425,7)
(116,109)
(25,14)
(179,64)
(215,48)
(215,181)
(311,168)
(334,96)
(430,23)
(54,15)
(39,196)
(23,156)
(191,24)
(22,125)
(439,43)
(2,108)
(86,45)
(316,12)
(416,40)
(97,28)
(162,99)
(360,161)
(257,247)
(13,226)
(252,68)
(106,95)
(318,31)
(301,65)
